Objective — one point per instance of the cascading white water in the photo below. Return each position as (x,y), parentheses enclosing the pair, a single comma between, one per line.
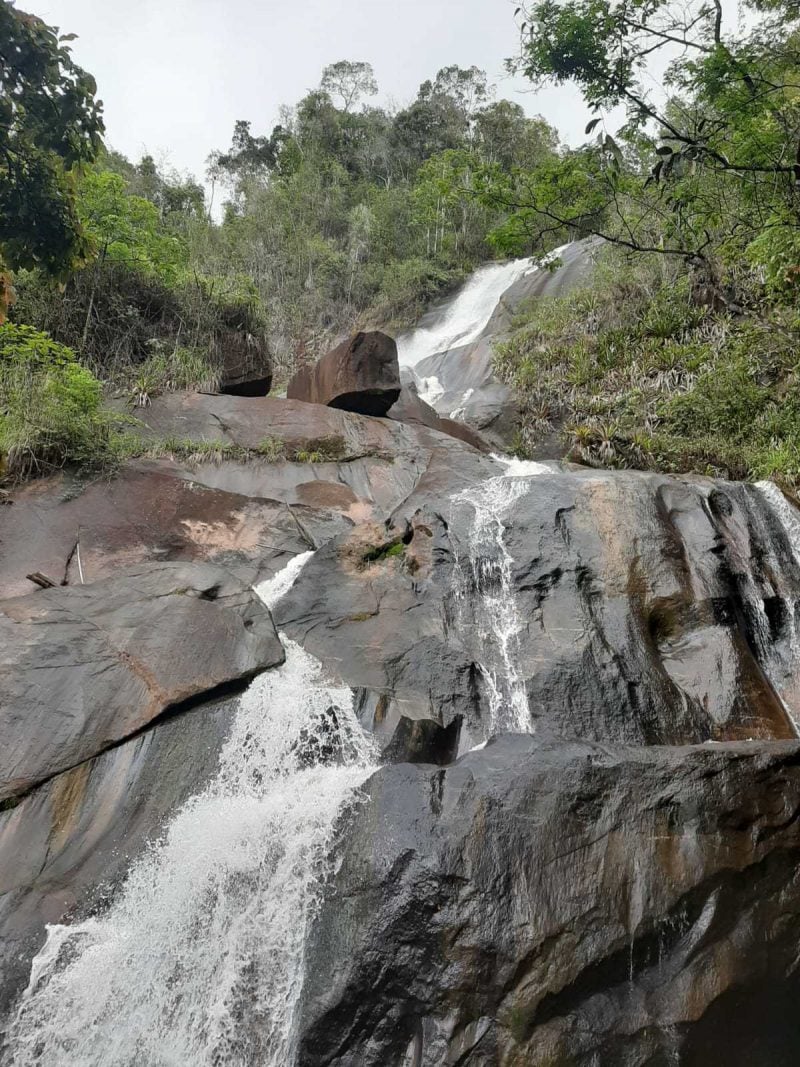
(200,959)
(785,512)
(492,616)
(467,315)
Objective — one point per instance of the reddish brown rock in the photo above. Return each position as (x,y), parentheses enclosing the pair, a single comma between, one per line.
(410,407)
(361,375)
(151,510)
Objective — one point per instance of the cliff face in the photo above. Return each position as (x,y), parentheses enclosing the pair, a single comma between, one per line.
(565,903)
(582,845)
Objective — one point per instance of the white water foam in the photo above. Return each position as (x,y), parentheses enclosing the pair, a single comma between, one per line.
(200,960)
(430,389)
(466,317)
(785,512)
(276,587)
(485,593)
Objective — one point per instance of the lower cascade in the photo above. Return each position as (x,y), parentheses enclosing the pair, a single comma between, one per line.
(200,958)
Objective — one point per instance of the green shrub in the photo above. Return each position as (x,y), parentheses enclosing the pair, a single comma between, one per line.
(49,405)
(634,373)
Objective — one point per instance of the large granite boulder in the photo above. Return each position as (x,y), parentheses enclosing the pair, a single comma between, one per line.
(83,667)
(563,903)
(244,358)
(361,374)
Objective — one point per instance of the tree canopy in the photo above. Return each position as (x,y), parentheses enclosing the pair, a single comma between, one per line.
(706,166)
(50,124)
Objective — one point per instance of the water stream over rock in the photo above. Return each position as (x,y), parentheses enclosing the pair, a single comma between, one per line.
(594,882)
(465,317)
(485,596)
(200,958)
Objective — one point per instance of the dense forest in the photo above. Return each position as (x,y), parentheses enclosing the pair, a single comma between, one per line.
(121,279)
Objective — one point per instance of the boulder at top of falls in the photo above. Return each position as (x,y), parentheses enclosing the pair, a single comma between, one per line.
(543,903)
(82,667)
(361,375)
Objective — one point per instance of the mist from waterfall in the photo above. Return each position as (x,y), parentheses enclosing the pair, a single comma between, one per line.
(200,959)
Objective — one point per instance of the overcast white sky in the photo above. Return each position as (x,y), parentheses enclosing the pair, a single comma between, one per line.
(175,74)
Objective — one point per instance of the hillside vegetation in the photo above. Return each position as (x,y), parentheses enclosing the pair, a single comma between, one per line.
(682,354)
(122,278)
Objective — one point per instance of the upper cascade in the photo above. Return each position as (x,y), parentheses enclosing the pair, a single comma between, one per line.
(449,356)
(460,321)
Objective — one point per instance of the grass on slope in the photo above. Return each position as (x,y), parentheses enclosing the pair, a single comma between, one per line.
(634,372)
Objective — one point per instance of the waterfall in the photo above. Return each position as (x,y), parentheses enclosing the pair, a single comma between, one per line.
(466,316)
(487,609)
(786,513)
(464,319)
(200,959)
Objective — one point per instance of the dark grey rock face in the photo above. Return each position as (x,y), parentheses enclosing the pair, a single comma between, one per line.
(652,610)
(246,363)
(361,374)
(565,903)
(84,667)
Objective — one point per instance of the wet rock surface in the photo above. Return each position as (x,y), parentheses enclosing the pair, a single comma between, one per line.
(82,668)
(547,903)
(649,610)
(249,516)
(153,510)
(66,846)
(361,374)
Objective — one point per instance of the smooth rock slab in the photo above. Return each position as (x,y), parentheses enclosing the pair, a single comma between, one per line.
(542,904)
(151,510)
(361,374)
(83,667)
(650,609)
